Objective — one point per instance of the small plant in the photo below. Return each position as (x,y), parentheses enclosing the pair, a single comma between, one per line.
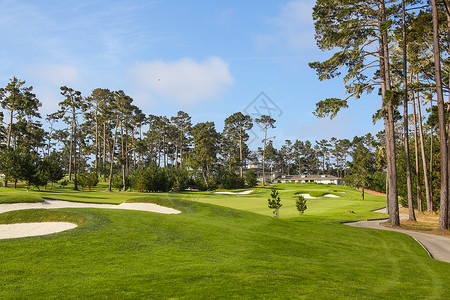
(300,203)
(274,202)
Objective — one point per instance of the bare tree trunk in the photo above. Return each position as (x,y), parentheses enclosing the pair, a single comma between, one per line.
(8,142)
(416,150)
(389,127)
(431,152)
(444,211)
(164,151)
(159,150)
(264,157)
(111,157)
(412,215)
(240,152)
(424,159)
(123,159)
(387,191)
(70,154)
(96,144)
(104,152)
(75,167)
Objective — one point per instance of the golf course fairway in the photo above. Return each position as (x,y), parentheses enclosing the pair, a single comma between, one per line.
(219,246)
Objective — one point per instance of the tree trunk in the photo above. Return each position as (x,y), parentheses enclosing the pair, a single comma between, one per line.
(111,157)
(240,152)
(362,193)
(123,158)
(264,156)
(96,144)
(416,150)
(424,159)
(75,169)
(447,5)
(70,154)
(411,214)
(443,217)
(104,152)
(431,152)
(389,125)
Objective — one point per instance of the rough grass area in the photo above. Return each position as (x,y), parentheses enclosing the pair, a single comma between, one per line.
(213,251)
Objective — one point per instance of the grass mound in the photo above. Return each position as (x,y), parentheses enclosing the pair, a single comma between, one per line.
(19,197)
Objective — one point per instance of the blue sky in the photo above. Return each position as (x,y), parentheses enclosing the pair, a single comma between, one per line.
(208,58)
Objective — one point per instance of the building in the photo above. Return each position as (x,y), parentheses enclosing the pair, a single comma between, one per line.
(269,173)
(276,176)
(324,179)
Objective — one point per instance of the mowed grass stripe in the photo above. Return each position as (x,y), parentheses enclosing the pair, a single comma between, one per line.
(212,251)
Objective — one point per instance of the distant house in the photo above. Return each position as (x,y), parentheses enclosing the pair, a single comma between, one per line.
(325,179)
(278,177)
(269,174)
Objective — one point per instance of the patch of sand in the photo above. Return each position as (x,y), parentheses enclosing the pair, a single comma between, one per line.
(18,230)
(235,193)
(8,231)
(307,196)
(53,204)
(331,196)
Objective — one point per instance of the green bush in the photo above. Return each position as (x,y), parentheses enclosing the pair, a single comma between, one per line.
(87,180)
(274,202)
(250,178)
(230,180)
(300,203)
(117,182)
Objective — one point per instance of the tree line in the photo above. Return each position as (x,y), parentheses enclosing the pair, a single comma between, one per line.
(104,135)
(401,49)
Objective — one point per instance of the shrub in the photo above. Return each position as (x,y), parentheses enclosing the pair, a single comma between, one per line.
(117,182)
(250,178)
(274,202)
(139,181)
(87,179)
(300,203)
(230,180)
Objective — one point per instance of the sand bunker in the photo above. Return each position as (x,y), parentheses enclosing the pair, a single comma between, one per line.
(11,231)
(8,231)
(53,204)
(308,196)
(235,193)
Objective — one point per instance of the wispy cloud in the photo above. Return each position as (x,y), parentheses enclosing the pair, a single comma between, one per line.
(55,74)
(292,28)
(184,81)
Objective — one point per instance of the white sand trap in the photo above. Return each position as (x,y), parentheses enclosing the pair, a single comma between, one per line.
(307,196)
(8,231)
(53,204)
(331,196)
(235,193)
(11,231)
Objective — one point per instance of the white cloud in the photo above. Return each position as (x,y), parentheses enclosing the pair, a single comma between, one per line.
(185,81)
(56,74)
(50,97)
(292,27)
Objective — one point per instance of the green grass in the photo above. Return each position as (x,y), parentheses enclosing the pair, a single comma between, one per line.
(8,196)
(211,251)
